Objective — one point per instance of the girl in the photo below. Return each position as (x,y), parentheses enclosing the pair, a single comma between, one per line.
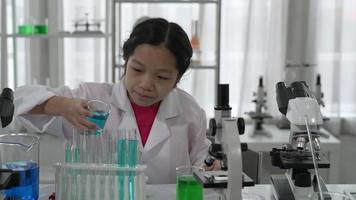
(171,124)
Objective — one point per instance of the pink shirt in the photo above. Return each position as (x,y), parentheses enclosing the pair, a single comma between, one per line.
(145,117)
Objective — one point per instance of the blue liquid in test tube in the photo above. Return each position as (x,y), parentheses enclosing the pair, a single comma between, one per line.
(132,162)
(121,161)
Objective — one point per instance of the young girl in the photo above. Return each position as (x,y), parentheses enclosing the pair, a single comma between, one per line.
(171,125)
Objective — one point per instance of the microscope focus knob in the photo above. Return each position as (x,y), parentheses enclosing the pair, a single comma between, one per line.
(212,126)
(241,125)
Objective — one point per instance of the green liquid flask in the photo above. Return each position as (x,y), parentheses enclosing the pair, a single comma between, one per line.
(41,29)
(26,29)
(188,188)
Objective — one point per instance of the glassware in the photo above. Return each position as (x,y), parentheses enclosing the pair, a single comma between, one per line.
(41,27)
(26,27)
(99,113)
(187,186)
(19,153)
(195,42)
(329,195)
(97,172)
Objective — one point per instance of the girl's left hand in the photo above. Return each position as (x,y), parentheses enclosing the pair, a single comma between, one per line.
(214,167)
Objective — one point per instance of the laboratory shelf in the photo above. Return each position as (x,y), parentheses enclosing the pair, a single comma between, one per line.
(61,35)
(168,1)
(203,65)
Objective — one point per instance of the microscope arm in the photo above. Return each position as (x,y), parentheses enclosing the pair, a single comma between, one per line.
(231,146)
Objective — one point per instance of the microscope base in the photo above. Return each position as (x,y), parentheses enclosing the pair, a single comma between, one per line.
(283,189)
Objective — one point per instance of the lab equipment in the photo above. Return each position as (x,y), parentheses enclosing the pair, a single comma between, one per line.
(41,27)
(226,146)
(195,42)
(19,168)
(319,95)
(6,107)
(303,152)
(29,26)
(85,26)
(187,186)
(260,112)
(26,29)
(132,159)
(92,190)
(99,113)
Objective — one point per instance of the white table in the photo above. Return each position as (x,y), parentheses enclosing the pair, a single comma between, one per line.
(278,137)
(168,192)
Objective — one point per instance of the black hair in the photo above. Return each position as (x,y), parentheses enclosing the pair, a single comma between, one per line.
(157,31)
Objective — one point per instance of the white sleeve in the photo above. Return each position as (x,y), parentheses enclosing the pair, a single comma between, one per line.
(200,143)
(27,97)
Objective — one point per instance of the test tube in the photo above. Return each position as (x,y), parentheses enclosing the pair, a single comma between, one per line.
(121,160)
(75,159)
(132,160)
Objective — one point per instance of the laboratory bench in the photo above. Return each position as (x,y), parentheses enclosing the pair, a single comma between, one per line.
(168,191)
(274,137)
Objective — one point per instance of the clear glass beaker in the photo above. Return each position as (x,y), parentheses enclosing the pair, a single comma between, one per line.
(187,186)
(99,113)
(19,166)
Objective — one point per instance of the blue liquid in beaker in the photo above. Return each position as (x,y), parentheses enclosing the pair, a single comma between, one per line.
(99,118)
(28,187)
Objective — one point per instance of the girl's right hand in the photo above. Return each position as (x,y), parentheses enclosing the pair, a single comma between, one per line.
(76,111)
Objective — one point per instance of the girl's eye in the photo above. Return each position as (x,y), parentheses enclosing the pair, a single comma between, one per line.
(163,78)
(136,69)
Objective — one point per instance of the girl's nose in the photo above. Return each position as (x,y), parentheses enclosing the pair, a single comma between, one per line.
(147,83)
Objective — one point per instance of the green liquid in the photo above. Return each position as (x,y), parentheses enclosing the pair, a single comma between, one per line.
(41,29)
(26,29)
(188,188)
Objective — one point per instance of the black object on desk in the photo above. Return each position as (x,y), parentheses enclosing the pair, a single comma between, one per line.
(219,179)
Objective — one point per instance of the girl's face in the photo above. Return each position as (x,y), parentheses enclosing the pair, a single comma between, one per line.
(151,74)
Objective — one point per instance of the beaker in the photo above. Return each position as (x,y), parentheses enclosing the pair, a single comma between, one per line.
(41,26)
(26,26)
(99,113)
(19,167)
(188,188)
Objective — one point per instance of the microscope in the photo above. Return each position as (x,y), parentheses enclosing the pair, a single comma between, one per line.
(6,107)
(302,154)
(226,148)
(319,95)
(259,115)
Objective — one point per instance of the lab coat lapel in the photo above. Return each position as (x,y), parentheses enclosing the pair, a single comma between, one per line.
(121,101)
(160,131)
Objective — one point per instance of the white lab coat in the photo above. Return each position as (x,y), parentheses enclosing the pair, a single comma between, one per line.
(177,136)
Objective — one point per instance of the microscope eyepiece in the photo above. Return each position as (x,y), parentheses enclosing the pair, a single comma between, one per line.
(223,97)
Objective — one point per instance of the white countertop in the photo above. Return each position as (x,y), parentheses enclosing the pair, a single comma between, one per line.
(168,192)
